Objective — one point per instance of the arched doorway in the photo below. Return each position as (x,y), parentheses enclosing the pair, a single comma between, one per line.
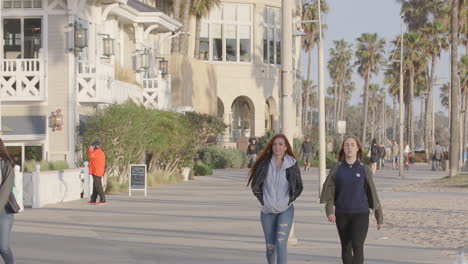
(271,114)
(243,118)
(220,109)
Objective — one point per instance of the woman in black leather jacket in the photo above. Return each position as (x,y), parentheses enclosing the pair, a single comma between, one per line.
(276,182)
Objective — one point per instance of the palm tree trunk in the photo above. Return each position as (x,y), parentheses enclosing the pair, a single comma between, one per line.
(176,11)
(335,106)
(455,93)
(343,104)
(394,118)
(411,109)
(429,109)
(197,39)
(373,124)
(309,89)
(183,38)
(366,101)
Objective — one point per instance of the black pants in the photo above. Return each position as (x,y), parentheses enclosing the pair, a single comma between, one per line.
(352,229)
(97,190)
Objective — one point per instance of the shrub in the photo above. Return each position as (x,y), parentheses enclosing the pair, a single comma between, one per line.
(263,141)
(331,160)
(158,177)
(202,169)
(114,186)
(30,165)
(222,158)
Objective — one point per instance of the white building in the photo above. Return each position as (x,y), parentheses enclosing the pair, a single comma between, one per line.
(72,55)
(45,67)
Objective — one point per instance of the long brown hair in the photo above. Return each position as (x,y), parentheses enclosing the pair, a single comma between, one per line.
(4,153)
(267,153)
(342,156)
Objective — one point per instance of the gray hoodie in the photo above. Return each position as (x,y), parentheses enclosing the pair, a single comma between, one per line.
(276,188)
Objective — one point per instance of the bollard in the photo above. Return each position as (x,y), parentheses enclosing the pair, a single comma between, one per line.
(36,181)
(88,185)
(19,187)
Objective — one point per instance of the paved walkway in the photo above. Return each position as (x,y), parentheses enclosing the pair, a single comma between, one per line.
(211,220)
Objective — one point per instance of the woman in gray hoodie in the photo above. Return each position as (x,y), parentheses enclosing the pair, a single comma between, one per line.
(276,181)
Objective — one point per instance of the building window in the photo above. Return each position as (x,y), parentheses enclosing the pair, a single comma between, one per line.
(272,36)
(22,4)
(226,34)
(23,38)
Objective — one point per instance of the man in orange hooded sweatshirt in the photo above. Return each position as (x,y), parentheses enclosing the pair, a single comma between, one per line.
(97,167)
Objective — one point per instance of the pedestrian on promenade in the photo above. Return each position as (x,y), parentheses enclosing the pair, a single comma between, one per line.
(307,149)
(276,182)
(252,152)
(395,154)
(8,203)
(437,156)
(97,167)
(348,193)
(375,155)
(383,153)
(407,153)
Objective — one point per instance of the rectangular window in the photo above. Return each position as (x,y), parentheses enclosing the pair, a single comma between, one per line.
(204,42)
(231,43)
(23,38)
(272,35)
(217,39)
(227,34)
(22,4)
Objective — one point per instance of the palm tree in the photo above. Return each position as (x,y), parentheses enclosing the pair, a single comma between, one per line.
(373,103)
(341,70)
(417,13)
(370,56)
(310,12)
(200,9)
(436,36)
(391,78)
(414,62)
(455,94)
(444,95)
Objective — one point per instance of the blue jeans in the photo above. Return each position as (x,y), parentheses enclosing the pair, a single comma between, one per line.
(6,225)
(276,228)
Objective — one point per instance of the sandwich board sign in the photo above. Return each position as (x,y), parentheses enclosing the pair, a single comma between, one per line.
(137,179)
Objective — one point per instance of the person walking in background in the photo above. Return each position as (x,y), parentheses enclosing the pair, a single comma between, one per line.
(252,152)
(395,154)
(97,167)
(348,193)
(407,153)
(276,181)
(437,156)
(307,149)
(375,155)
(383,153)
(8,204)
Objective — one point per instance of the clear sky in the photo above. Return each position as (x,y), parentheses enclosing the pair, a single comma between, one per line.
(348,19)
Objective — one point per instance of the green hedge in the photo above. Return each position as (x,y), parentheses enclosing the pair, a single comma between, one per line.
(331,160)
(201,169)
(30,165)
(222,158)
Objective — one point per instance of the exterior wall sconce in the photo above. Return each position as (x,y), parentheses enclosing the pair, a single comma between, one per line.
(57,120)
(107,46)
(163,66)
(81,36)
(143,60)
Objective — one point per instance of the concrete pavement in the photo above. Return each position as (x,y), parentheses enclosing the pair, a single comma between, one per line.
(211,220)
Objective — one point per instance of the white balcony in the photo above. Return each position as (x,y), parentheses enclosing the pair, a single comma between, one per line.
(95,83)
(157,93)
(22,80)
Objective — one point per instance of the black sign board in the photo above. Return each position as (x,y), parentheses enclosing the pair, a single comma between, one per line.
(137,177)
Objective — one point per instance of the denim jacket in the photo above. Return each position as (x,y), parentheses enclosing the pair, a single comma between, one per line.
(293,175)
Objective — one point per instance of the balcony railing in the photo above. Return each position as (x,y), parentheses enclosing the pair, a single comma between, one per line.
(157,93)
(22,80)
(95,83)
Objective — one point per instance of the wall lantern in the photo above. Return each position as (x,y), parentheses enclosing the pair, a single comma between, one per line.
(57,120)
(81,36)
(145,60)
(107,46)
(163,66)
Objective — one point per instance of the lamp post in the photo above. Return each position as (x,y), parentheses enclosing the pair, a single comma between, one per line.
(400,160)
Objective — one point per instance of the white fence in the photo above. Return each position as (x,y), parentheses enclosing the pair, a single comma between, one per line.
(48,187)
(22,79)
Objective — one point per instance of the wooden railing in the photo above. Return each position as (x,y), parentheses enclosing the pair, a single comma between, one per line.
(22,80)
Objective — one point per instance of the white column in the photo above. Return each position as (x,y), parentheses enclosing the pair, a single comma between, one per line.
(72,92)
(287,107)
(36,182)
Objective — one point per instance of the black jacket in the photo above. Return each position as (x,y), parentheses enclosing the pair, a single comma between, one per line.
(7,198)
(293,175)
